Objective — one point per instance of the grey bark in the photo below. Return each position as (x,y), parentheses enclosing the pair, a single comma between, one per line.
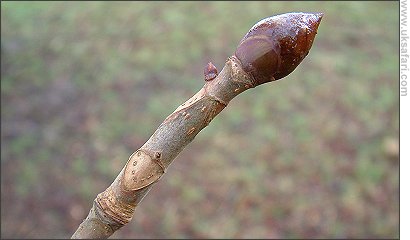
(115,207)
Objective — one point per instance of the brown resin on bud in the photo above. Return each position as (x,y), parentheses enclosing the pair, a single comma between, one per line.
(210,72)
(275,46)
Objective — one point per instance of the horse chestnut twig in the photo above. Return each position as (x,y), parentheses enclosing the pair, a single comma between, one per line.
(275,46)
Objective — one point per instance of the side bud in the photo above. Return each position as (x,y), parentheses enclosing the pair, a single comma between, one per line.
(275,46)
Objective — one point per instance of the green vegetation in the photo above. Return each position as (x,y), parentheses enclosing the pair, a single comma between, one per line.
(84,84)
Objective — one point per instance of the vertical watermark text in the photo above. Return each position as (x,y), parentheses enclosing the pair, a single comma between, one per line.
(404,54)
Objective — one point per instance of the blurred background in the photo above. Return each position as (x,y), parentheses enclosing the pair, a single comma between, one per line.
(85,84)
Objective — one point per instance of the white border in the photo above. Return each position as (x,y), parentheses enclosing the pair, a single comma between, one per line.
(404,80)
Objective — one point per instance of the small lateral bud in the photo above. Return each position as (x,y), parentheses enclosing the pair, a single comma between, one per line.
(210,72)
(275,46)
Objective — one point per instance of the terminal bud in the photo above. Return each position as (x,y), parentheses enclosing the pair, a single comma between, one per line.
(275,46)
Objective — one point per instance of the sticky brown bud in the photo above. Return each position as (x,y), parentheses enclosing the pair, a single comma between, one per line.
(210,72)
(275,46)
